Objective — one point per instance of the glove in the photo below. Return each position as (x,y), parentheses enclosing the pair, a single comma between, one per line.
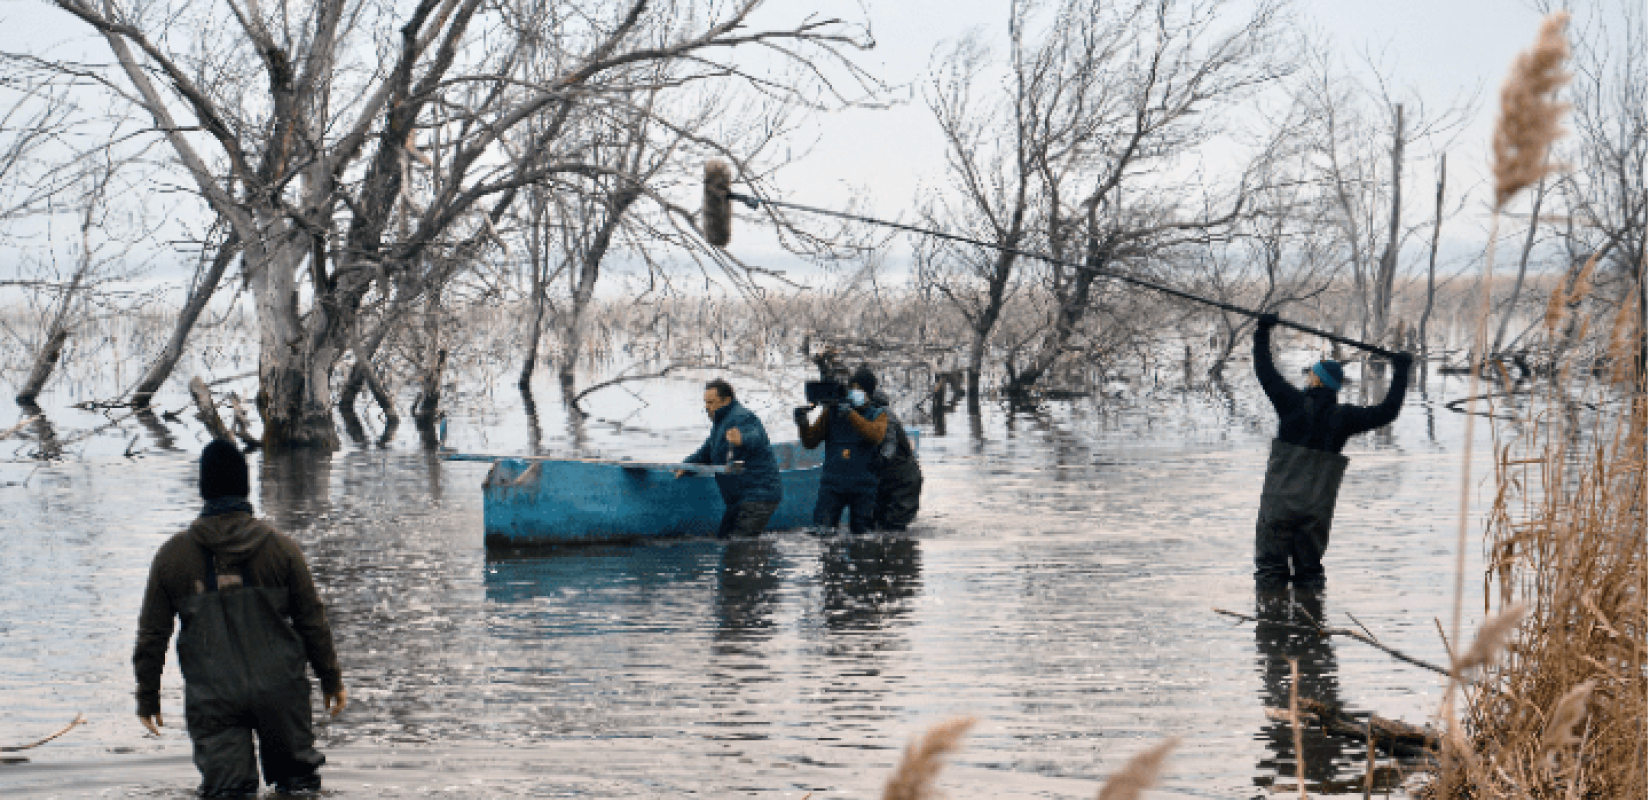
(1267,320)
(801,416)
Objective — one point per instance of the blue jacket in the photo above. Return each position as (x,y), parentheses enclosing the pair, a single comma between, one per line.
(759,482)
(849,458)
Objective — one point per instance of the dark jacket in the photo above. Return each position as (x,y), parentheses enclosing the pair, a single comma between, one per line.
(759,481)
(851,441)
(899,476)
(243,545)
(1314,418)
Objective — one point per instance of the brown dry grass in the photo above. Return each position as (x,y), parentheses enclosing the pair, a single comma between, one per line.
(924,758)
(1529,120)
(1563,716)
(914,779)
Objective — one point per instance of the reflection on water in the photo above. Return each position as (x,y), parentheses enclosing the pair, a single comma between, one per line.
(1323,755)
(1057,586)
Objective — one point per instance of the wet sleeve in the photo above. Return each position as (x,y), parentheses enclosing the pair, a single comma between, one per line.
(870,430)
(1286,399)
(813,433)
(153,634)
(309,619)
(1363,420)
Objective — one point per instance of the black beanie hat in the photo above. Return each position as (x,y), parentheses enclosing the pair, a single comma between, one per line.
(865,380)
(223,471)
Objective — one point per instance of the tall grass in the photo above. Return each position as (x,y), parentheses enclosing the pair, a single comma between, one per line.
(1562,715)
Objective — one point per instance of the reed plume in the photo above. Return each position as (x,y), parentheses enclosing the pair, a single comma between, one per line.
(1492,636)
(1139,774)
(923,760)
(1530,111)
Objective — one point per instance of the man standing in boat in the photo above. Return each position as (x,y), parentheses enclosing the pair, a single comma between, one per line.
(851,432)
(1303,472)
(752,494)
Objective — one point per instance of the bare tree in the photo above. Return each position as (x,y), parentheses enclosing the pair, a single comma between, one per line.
(1152,74)
(361,112)
(100,250)
(1365,180)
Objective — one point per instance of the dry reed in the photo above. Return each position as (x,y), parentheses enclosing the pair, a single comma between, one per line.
(1530,113)
(1139,774)
(1566,537)
(923,759)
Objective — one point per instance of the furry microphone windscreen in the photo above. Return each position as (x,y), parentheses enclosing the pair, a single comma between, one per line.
(716,216)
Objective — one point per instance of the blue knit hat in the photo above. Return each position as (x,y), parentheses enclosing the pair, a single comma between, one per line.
(1329,372)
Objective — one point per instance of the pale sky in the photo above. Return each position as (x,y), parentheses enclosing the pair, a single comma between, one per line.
(1441,51)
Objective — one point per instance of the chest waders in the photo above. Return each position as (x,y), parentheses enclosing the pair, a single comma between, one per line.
(1297,505)
(243,673)
(848,479)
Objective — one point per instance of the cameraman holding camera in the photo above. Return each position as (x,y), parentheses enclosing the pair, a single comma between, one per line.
(852,430)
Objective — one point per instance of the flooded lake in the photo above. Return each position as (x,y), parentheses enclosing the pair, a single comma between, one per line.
(1058,587)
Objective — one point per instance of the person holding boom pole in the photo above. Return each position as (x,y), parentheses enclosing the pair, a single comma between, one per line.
(1304,469)
(1303,473)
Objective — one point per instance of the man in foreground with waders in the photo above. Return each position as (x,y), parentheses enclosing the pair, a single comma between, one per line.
(251,619)
(751,495)
(851,431)
(1303,472)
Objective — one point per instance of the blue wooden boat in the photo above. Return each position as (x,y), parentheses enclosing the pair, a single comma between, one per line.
(533,501)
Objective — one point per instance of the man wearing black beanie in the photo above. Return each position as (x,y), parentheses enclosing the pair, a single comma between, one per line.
(251,620)
(851,431)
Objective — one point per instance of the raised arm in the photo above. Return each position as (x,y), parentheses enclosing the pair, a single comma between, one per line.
(1362,419)
(1285,398)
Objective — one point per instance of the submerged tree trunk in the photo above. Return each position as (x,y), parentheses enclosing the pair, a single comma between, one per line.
(164,363)
(584,285)
(1074,305)
(1432,258)
(1386,271)
(1523,267)
(44,362)
(434,362)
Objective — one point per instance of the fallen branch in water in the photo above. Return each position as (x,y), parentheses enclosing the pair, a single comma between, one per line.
(79,719)
(1347,632)
(1393,736)
(27,418)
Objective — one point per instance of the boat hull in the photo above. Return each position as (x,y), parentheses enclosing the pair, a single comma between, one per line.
(539,503)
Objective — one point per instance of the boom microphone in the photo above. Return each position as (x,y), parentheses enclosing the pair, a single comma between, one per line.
(716,215)
(717,218)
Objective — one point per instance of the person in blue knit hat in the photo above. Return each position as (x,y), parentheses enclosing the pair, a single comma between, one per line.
(1304,469)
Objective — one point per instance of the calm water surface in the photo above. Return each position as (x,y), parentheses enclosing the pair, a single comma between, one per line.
(1058,587)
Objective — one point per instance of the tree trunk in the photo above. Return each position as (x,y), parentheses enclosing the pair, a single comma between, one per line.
(1074,305)
(57,334)
(167,361)
(1432,256)
(1523,266)
(538,262)
(584,286)
(1387,270)
(44,362)
(428,404)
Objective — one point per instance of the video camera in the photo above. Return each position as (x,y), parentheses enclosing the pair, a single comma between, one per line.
(832,386)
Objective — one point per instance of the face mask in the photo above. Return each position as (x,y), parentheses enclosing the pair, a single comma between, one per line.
(857,397)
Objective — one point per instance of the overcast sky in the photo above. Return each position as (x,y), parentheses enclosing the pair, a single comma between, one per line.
(1442,51)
